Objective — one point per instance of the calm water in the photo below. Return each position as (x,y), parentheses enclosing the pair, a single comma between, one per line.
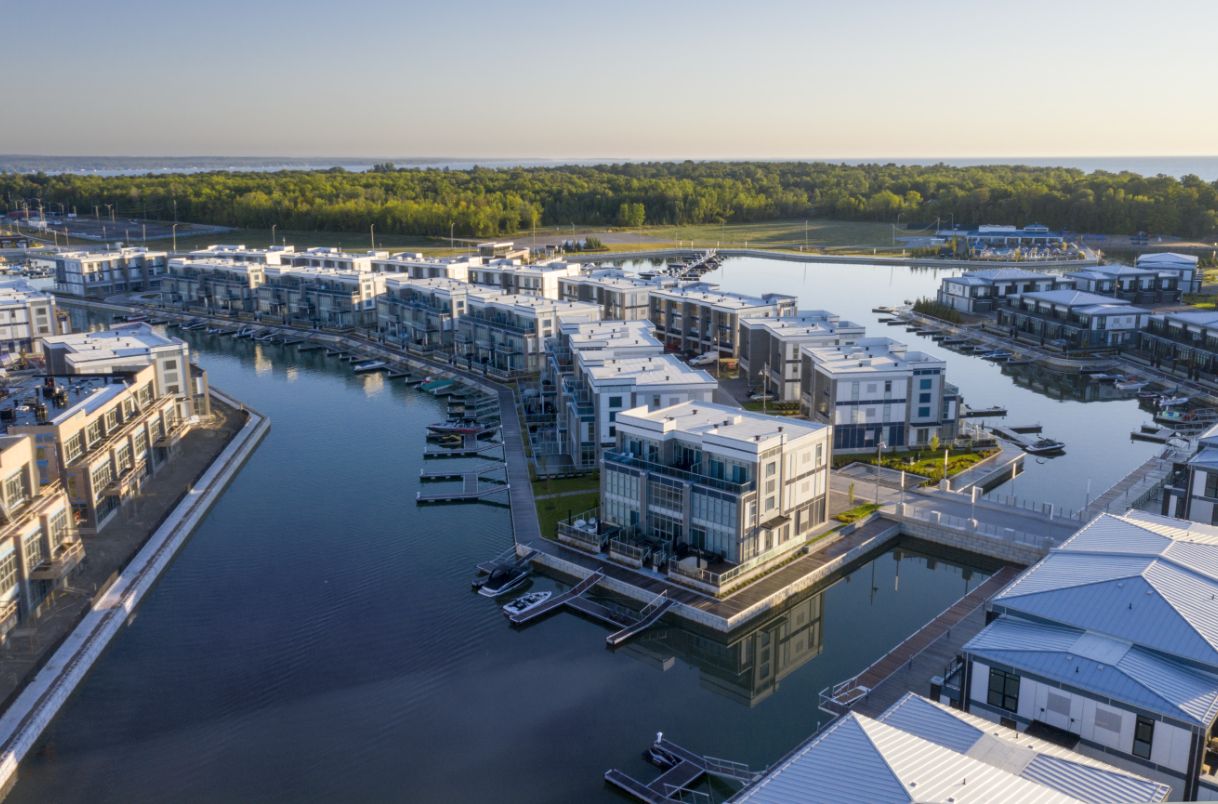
(317,640)
(1098,448)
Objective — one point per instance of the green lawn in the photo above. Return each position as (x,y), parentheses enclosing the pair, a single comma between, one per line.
(856,513)
(928,463)
(350,240)
(772,408)
(561,485)
(821,233)
(550,511)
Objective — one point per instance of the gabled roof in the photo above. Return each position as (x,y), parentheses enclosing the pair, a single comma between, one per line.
(1110,668)
(1149,580)
(921,751)
(1073,298)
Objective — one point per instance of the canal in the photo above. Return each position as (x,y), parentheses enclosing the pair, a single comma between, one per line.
(317,639)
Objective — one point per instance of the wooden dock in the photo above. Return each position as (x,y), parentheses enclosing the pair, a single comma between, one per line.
(687,770)
(472,490)
(471,447)
(628,623)
(841,697)
(557,601)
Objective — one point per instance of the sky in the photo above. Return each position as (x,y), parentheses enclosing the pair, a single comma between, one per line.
(616,79)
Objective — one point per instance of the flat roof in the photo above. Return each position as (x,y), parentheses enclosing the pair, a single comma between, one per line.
(532,305)
(20,291)
(919,750)
(217,264)
(442,284)
(584,335)
(721,299)
(1112,270)
(725,424)
(805,324)
(650,370)
(86,393)
(241,248)
(999,274)
(121,340)
(869,355)
(1075,298)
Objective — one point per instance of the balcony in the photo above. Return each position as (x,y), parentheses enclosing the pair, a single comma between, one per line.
(626,460)
(66,558)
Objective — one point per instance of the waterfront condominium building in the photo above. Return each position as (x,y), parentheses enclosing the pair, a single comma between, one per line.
(423,313)
(416,266)
(1110,642)
(713,493)
(877,390)
(100,436)
(1073,319)
(215,284)
(1186,339)
(321,297)
(622,297)
(26,316)
(980,292)
(130,347)
(507,333)
(97,274)
(1183,265)
(769,348)
(332,259)
(273,255)
(39,544)
(526,280)
(698,318)
(1139,285)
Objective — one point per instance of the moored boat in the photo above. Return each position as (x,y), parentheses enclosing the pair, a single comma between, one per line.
(458,427)
(526,602)
(503,579)
(1044,446)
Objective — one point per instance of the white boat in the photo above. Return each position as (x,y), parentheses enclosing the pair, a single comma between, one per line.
(369,365)
(1044,446)
(1128,385)
(526,602)
(1172,401)
(707,359)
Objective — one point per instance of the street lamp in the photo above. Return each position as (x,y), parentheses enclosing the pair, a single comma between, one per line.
(175,237)
(879,455)
(274,226)
(452,226)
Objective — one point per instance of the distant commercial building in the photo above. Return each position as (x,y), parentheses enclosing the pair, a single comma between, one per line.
(416,266)
(1006,236)
(502,250)
(980,292)
(332,259)
(217,285)
(26,316)
(1139,285)
(40,546)
(920,750)
(97,274)
(525,280)
(1183,265)
(508,332)
(876,390)
(272,255)
(1111,642)
(712,493)
(100,436)
(622,297)
(769,348)
(423,314)
(321,297)
(698,318)
(128,348)
(1074,319)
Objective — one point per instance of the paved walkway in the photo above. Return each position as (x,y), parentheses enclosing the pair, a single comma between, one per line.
(107,553)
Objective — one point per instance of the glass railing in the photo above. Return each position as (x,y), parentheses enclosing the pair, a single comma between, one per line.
(627,460)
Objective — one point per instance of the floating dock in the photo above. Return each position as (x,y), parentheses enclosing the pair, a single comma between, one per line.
(976,413)
(471,447)
(629,624)
(686,770)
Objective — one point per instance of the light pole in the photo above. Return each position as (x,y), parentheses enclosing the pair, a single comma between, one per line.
(452,242)
(372,235)
(175,237)
(879,455)
(274,226)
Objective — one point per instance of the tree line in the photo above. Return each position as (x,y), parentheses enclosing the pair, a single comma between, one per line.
(487,202)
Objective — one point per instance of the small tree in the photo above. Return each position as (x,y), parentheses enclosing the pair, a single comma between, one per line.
(934,443)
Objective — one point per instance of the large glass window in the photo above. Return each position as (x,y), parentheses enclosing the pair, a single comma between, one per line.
(1211,484)
(1143,734)
(35,552)
(16,490)
(1004,690)
(8,574)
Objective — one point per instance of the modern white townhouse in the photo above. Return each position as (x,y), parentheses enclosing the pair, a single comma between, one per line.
(980,292)
(272,255)
(1073,319)
(127,348)
(321,297)
(622,297)
(920,750)
(769,348)
(710,493)
(97,274)
(1183,265)
(215,284)
(332,259)
(698,318)
(40,546)
(1140,285)
(526,280)
(876,391)
(423,314)
(26,316)
(1111,642)
(416,266)
(507,333)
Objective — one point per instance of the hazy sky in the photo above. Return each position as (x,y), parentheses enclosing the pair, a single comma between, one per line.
(617,78)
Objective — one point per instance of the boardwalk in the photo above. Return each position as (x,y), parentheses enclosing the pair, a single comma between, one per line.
(841,697)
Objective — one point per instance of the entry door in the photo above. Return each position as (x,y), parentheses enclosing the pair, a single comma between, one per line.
(1057,711)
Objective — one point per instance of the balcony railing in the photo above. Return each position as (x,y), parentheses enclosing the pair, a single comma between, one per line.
(66,558)
(626,460)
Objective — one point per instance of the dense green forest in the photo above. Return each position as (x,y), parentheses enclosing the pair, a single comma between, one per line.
(486,202)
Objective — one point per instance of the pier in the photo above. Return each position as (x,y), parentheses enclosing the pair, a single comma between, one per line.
(471,447)
(629,624)
(684,769)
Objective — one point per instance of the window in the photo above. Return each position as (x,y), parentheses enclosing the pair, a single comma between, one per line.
(1143,733)
(924,384)
(615,401)
(887,386)
(1004,690)
(923,398)
(1211,484)
(16,490)
(924,413)
(8,573)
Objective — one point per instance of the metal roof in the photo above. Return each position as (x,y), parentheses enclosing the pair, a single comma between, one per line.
(1100,665)
(1145,579)
(919,750)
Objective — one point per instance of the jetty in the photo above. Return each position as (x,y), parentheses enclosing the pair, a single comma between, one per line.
(628,624)
(470,447)
(996,411)
(681,768)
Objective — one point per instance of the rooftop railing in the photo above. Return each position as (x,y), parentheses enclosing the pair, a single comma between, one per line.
(625,459)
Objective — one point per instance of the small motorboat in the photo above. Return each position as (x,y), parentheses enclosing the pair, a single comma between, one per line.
(526,602)
(759,397)
(1148,395)
(503,579)
(369,365)
(1172,401)
(460,427)
(1044,446)
(1128,385)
